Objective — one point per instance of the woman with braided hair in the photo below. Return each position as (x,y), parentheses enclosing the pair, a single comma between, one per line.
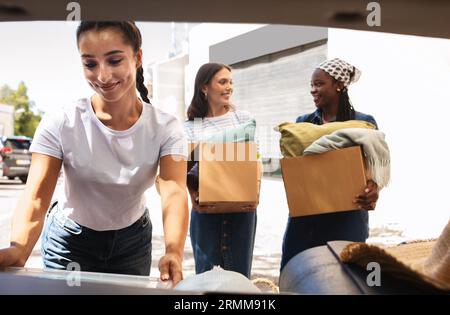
(329,89)
(110,146)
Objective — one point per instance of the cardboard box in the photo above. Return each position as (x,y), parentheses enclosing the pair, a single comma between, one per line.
(229,177)
(325,182)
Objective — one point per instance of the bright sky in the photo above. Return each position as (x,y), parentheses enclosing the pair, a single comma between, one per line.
(44,55)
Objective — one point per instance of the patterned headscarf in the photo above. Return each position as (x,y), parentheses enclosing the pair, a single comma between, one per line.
(341,70)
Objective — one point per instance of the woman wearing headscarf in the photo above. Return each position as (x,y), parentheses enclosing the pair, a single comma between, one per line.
(329,88)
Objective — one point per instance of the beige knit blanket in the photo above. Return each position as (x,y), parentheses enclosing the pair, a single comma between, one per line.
(374,146)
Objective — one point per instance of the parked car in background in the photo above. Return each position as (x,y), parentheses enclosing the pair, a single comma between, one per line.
(14,152)
(1,166)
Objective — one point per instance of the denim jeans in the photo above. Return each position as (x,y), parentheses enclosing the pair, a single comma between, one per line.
(123,251)
(316,230)
(224,240)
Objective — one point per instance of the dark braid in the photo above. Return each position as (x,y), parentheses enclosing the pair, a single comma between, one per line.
(131,35)
(345,109)
(141,86)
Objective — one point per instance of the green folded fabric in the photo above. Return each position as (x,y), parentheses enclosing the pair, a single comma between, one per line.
(296,137)
(242,133)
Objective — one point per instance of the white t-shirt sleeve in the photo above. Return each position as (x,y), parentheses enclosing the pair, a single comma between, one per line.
(175,142)
(47,138)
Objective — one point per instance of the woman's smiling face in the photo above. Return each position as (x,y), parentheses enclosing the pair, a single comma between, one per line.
(324,89)
(220,88)
(109,63)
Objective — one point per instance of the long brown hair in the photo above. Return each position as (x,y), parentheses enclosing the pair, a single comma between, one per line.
(199,105)
(131,36)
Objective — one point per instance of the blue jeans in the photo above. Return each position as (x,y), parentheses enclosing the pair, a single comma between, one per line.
(316,230)
(224,240)
(124,251)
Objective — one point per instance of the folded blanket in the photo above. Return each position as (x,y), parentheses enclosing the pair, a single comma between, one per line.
(296,137)
(375,148)
(241,133)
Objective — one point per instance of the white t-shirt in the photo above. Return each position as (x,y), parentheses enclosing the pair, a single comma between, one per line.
(107,171)
(202,129)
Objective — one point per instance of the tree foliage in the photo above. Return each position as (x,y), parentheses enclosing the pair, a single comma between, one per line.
(25,119)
